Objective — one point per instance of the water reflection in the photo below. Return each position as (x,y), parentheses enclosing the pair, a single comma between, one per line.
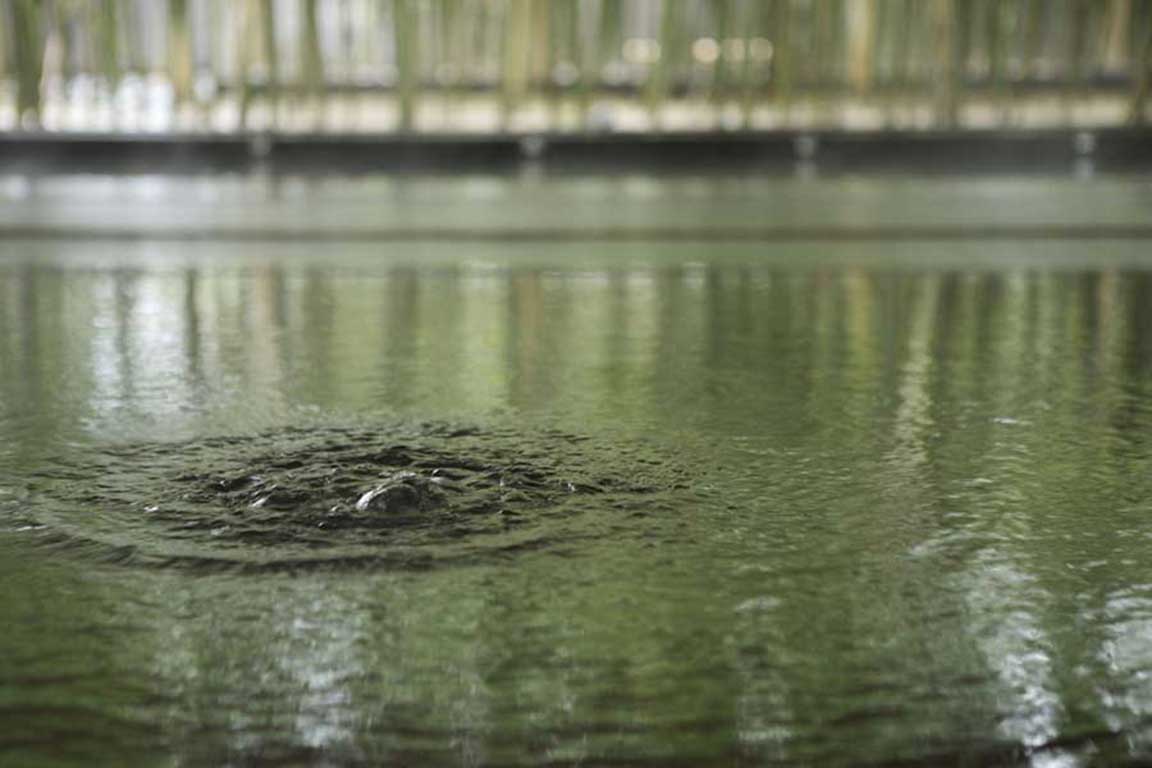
(934,535)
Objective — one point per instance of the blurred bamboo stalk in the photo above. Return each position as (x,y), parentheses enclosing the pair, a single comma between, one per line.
(28,50)
(271,59)
(1082,25)
(750,23)
(552,38)
(1141,25)
(311,60)
(258,59)
(662,61)
(862,45)
(995,33)
(1078,18)
(587,60)
(609,40)
(453,52)
(783,60)
(245,54)
(1033,42)
(179,51)
(905,71)
(947,63)
(106,42)
(721,11)
(610,36)
(3,52)
(560,63)
(406,31)
(579,60)
(517,27)
(1116,48)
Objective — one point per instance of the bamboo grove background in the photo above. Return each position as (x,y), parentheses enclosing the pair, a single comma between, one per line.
(570,65)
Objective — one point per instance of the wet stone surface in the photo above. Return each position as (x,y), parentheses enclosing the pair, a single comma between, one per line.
(348,496)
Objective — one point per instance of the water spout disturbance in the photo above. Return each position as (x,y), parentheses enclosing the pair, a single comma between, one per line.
(341,497)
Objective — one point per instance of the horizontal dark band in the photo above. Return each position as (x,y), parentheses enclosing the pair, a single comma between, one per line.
(581,234)
(1111,149)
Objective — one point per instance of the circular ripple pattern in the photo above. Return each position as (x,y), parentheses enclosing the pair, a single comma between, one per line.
(347,497)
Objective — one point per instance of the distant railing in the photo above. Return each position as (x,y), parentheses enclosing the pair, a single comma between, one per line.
(570,65)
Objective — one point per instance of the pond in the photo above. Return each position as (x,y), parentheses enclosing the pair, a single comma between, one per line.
(653,501)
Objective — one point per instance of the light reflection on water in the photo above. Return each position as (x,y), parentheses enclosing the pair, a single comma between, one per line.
(932,542)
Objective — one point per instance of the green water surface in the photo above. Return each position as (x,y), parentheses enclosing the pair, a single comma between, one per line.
(922,521)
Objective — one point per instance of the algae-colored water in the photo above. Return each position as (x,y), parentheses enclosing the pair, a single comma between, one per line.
(801,503)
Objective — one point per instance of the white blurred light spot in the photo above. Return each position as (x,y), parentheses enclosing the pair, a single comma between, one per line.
(706,50)
(641,50)
(760,48)
(204,87)
(565,74)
